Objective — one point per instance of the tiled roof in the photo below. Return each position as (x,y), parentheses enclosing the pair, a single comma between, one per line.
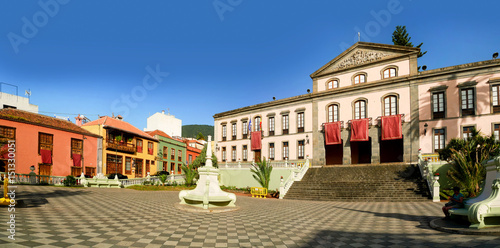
(158,132)
(43,120)
(121,125)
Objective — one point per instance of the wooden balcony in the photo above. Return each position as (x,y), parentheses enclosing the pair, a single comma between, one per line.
(114,145)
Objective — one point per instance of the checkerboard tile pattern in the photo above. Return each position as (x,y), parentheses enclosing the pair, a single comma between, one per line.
(90,217)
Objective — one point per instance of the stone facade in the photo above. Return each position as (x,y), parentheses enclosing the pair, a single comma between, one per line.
(374,74)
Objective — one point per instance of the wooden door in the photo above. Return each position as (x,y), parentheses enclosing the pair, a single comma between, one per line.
(257,156)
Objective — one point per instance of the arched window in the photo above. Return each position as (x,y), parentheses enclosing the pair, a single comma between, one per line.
(333,113)
(257,123)
(361,78)
(360,109)
(389,72)
(333,84)
(390,105)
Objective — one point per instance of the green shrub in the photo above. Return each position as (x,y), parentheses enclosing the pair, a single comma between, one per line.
(69,181)
(190,174)
(163,179)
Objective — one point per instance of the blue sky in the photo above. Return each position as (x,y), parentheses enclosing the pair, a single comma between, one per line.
(96,57)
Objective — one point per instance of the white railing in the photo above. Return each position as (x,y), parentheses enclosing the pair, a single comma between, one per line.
(295,175)
(276,164)
(425,163)
(19,178)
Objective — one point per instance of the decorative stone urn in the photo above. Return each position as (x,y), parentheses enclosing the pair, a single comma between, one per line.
(207,192)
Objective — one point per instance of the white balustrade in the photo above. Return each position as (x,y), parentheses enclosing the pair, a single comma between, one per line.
(295,175)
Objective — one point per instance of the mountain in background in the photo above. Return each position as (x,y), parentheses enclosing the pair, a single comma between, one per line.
(190,131)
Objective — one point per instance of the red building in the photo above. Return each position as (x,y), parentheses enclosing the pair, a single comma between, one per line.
(192,152)
(54,146)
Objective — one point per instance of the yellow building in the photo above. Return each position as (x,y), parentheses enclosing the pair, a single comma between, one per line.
(126,149)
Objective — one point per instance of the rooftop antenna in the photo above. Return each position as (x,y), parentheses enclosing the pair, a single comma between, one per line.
(168,111)
(359,36)
(28,93)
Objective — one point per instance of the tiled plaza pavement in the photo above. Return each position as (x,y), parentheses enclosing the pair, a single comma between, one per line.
(82,217)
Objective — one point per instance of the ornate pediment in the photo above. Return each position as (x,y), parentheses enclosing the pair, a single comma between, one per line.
(362,54)
(359,57)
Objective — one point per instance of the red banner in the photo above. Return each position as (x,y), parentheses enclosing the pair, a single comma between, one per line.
(256,141)
(46,156)
(359,130)
(77,159)
(332,133)
(391,127)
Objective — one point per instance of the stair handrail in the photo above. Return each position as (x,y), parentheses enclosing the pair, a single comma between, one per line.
(295,175)
(426,171)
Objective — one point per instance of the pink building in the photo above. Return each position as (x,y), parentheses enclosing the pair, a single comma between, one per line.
(53,146)
(370,104)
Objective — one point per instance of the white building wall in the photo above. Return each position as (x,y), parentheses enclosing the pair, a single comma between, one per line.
(166,123)
(19,102)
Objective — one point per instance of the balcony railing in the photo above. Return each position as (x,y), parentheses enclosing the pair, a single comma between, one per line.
(120,146)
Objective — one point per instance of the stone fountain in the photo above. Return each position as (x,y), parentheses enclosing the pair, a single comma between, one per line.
(207,192)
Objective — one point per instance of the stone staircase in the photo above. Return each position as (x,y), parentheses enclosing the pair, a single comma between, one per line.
(381,183)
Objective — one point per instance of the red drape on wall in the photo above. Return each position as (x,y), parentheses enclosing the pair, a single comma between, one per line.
(5,151)
(359,130)
(77,159)
(150,151)
(46,156)
(332,133)
(391,127)
(256,141)
(139,149)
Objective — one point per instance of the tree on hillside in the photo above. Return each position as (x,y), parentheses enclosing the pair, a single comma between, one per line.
(201,159)
(401,38)
(200,136)
(467,157)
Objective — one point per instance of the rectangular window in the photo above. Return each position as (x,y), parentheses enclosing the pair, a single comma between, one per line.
(285,124)
(179,168)
(223,154)
(139,146)
(257,123)
(45,142)
(147,167)
(139,167)
(271,151)
(233,130)
(285,150)
(467,101)
(190,158)
(495,98)
(496,131)
(300,122)
(245,153)
(301,149)
(390,105)
(7,132)
(172,168)
(439,142)
(165,152)
(172,154)
(128,165)
(467,132)
(438,105)
(233,153)
(90,171)
(245,129)
(333,113)
(77,146)
(224,132)
(271,126)
(150,148)
(360,109)
(179,155)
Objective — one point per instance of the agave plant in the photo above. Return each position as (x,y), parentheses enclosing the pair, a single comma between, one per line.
(262,173)
(189,173)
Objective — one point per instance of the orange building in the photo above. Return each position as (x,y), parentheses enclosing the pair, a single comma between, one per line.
(126,149)
(53,146)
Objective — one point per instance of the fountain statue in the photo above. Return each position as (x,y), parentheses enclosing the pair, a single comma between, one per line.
(207,192)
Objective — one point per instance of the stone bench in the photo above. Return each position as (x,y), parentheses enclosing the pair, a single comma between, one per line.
(484,210)
(101,182)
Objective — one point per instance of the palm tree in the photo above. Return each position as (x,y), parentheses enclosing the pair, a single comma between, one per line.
(467,157)
(189,173)
(262,173)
